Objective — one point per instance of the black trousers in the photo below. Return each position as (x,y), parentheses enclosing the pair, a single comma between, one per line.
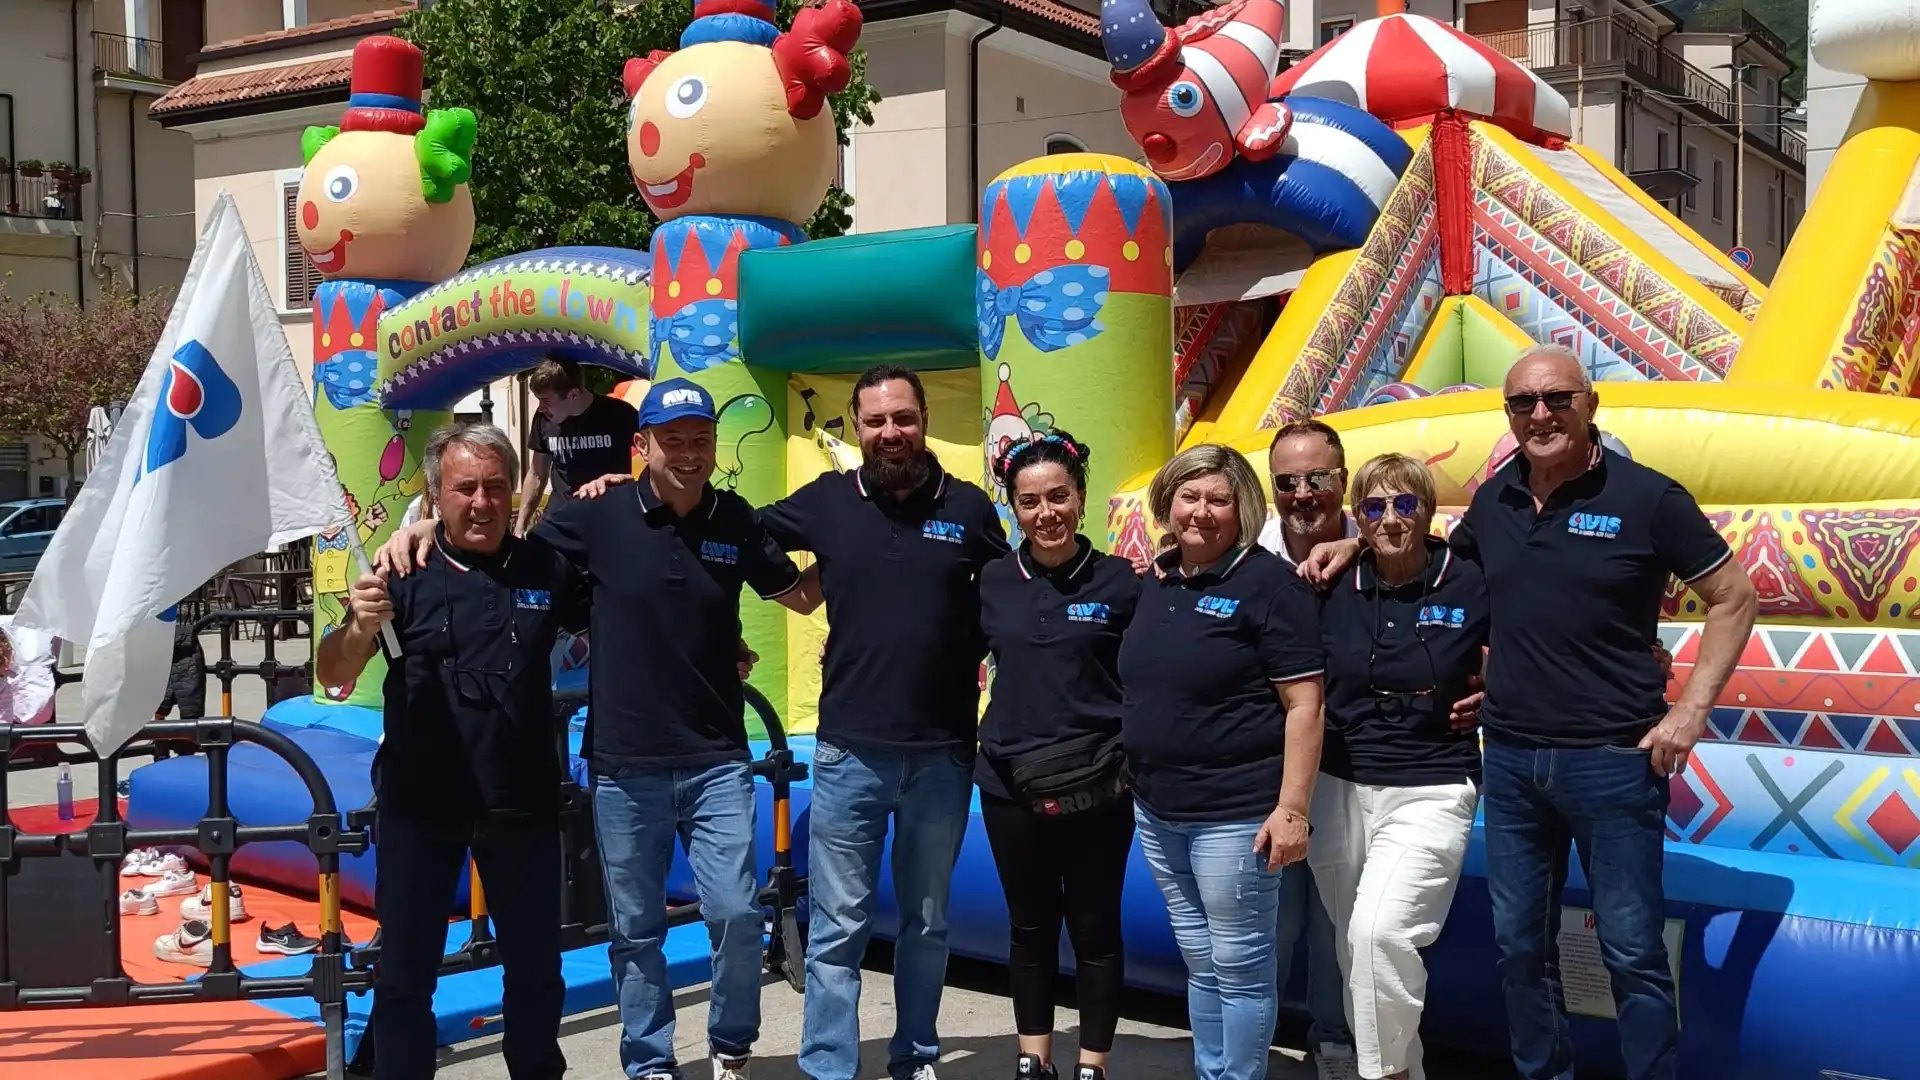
(1056,870)
(418,862)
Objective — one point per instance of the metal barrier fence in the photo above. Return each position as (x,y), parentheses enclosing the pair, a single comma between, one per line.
(71,976)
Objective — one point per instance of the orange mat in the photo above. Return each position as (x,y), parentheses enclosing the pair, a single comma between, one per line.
(264,906)
(229,1040)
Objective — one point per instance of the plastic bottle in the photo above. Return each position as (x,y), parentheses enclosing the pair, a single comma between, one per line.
(63,791)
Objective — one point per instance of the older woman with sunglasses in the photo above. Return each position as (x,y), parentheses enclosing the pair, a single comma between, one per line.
(1221,722)
(1404,631)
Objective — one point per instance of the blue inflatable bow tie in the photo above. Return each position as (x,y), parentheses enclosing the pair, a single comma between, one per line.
(347,377)
(338,543)
(1055,308)
(700,335)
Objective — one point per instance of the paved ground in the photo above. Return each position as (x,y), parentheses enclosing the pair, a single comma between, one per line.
(976,1020)
(976,1029)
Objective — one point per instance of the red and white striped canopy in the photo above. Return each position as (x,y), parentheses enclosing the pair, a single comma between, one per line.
(1406,68)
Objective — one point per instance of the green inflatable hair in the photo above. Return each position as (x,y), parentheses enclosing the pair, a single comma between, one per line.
(445,150)
(312,139)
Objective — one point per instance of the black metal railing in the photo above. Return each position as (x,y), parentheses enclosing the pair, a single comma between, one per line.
(118,54)
(1551,48)
(41,195)
(1739,22)
(1793,144)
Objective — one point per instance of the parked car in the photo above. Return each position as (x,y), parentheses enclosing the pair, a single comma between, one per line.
(26,528)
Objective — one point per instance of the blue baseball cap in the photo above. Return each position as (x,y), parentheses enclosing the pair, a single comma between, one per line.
(676,399)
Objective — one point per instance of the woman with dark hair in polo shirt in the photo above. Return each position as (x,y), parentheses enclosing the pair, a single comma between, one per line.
(1053,789)
(1221,725)
(1403,631)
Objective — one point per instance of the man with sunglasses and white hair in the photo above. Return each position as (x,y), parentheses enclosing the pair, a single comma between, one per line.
(469,758)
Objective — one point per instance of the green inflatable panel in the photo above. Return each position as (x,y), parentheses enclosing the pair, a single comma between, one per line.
(840,305)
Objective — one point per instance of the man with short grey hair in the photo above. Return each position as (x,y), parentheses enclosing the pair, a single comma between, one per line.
(469,758)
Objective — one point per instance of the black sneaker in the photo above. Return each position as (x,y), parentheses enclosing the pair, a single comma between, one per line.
(1030,1067)
(1090,1072)
(286,940)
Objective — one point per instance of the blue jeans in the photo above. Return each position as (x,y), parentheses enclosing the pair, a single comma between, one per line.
(1224,905)
(637,814)
(1609,803)
(926,794)
(1301,912)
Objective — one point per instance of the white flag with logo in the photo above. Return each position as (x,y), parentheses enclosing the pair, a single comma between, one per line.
(216,458)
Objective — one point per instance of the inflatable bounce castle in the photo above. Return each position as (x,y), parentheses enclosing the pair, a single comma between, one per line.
(1415,214)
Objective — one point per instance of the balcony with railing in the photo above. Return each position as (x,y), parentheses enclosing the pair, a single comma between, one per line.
(34,194)
(133,58)
(1740,23)
(1567,53)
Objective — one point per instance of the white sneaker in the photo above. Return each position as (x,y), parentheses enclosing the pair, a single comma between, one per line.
(191,944)
(162,865)
(726,1068)
(173,883)
(134,863)
(137,902)
(201,906)
(1332,1061)
(923,1072)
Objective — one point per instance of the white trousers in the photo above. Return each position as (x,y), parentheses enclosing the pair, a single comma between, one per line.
(1386,860)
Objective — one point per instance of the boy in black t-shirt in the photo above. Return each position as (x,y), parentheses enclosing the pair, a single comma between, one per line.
(577,436)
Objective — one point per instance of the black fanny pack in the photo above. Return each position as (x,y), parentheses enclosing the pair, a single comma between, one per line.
(1069,777)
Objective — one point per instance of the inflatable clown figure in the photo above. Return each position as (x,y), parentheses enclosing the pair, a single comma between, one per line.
(384,211)
(732,146)
(1195,98)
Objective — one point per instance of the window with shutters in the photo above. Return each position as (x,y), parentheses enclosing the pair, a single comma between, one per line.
(301,275)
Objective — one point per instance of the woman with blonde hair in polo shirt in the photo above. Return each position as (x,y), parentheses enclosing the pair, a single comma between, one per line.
(1221,723)
(1403,631)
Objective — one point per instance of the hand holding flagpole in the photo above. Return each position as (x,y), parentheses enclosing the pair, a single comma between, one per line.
(361,563)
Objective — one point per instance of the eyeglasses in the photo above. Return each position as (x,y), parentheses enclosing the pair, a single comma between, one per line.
(1374,507)
(1556,401)
(1319,481)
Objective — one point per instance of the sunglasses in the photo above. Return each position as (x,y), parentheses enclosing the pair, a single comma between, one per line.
(1374,507)
(1319,481)
(1556,401)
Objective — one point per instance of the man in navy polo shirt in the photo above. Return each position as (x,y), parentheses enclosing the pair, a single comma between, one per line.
(470,756)
(1578,543)
(666,735)
(1308,466)
(900,545)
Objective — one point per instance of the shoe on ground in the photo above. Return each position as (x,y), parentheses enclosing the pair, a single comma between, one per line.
(921,1072)
(134,863)
(1030,1067)
(191,944)
(286,940)
(1090,1072)
(1332,1061)
(137,902)
(731,1068)
(161,865)
(201,906)
(174,883)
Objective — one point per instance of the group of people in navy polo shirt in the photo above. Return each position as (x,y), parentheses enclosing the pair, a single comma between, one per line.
(1285,716)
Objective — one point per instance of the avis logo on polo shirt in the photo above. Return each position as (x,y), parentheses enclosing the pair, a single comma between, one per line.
(949,531)
(1598,526)
(1089,613)
(533,599)
(1442,615)
(714,551)
(1219,607)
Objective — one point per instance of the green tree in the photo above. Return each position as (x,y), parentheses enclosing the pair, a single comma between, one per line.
(550,166)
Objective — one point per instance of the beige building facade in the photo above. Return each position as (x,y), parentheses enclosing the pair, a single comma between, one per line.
(92,190)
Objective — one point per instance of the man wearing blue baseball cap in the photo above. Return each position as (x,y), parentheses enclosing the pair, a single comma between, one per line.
(666,737)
